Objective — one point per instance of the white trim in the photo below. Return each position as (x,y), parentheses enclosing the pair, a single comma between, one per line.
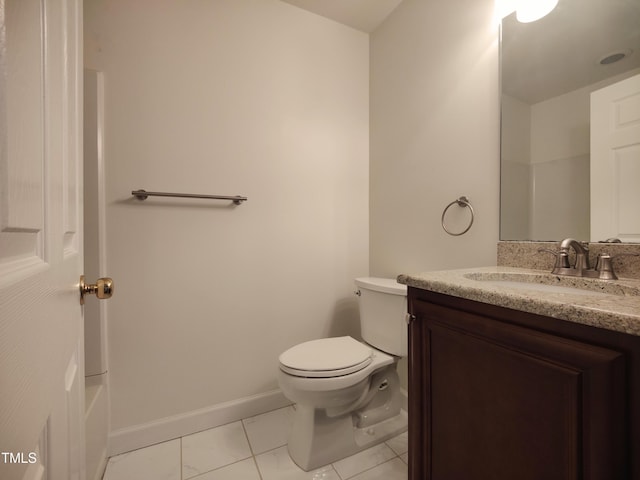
(96,425)
(138,436)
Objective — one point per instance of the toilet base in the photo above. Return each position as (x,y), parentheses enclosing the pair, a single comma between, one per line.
(317,440)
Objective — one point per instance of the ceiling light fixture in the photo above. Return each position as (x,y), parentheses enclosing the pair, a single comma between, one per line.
(532,10)
(526,10)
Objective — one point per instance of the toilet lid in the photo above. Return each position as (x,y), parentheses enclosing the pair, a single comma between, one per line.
(326,357)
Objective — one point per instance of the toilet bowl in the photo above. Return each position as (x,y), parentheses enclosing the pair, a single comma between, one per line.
(347,392)
(330,373)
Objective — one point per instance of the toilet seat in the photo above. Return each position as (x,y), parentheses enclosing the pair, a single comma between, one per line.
(326,358)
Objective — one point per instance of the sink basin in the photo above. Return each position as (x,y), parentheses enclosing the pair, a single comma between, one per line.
(548,283)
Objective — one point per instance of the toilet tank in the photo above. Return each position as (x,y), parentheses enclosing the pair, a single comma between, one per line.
(383,305)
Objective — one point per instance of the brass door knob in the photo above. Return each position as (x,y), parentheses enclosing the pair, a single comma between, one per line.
(103,288)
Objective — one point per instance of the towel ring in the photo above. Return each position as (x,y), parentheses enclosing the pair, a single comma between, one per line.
(462,202)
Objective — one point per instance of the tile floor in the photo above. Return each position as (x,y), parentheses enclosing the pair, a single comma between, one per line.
(251,449)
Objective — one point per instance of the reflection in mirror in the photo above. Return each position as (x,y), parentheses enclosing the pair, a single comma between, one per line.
(549,70)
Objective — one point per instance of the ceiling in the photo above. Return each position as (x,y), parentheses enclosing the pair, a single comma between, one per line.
(561,52)
(552,56)
(363,15)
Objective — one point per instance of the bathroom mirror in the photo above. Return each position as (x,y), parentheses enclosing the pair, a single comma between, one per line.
(548,70)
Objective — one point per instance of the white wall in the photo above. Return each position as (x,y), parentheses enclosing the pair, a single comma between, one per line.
(515,169)
(555,134)
(434,136)
(545,167)
(560,167)
(255,98)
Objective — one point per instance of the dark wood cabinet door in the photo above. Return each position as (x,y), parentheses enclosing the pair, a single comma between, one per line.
(491,400)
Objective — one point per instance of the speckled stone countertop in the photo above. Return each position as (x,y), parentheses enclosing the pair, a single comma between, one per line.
(612,305)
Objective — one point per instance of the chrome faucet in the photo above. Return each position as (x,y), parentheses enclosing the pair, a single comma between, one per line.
(562,266)
(582,254)
(581,268)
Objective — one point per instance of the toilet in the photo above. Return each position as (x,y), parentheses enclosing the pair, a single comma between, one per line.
(347,392)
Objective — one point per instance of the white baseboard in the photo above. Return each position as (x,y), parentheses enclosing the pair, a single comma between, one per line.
(143,435)
(168,428)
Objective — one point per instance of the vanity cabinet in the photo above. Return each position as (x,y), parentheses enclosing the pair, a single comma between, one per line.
(497,394)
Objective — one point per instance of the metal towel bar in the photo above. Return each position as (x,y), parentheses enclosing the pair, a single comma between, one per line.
(143,194)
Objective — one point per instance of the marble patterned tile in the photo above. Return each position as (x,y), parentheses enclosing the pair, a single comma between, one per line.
(213,448)
(269,430)
(350,466)
(277,465)
(224,453)
(399,444)
(394,469)
(242,470)
(157,462)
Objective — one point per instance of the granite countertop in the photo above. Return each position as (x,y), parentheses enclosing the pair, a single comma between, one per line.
(613,305)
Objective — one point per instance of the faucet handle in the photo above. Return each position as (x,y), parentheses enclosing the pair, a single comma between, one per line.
(562,258)
(604,265)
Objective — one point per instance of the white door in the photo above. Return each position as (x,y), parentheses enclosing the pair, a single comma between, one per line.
(41,336)
(615,161)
